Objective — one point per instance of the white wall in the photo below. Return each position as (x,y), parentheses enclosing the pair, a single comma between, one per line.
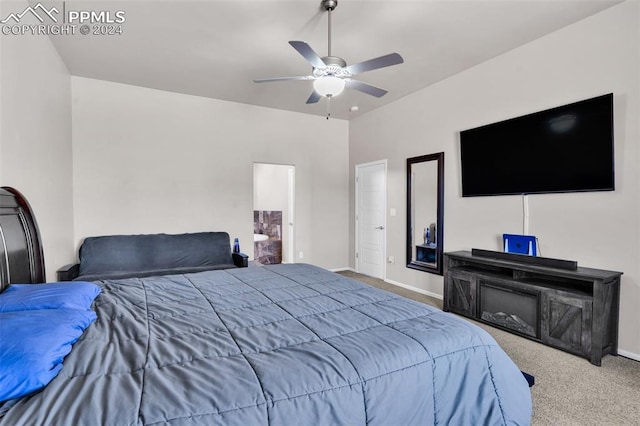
(425,199)
(35,135)
(148,161)
(598,55)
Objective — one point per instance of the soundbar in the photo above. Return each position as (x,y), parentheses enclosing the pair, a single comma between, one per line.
(570,265)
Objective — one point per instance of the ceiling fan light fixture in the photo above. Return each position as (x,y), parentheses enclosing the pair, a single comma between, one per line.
(330,74)
(328,86)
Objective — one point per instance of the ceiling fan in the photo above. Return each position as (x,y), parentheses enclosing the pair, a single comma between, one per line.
(331,74)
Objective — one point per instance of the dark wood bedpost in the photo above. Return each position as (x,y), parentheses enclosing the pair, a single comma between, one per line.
(21,253)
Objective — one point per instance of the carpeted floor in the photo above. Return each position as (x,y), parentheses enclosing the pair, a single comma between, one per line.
(568,390)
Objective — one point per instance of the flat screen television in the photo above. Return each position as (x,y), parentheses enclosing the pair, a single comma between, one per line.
(563,149)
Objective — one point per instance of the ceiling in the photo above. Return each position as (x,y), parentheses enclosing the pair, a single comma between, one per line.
(217,48)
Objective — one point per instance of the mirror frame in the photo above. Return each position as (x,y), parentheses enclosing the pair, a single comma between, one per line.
(438,269)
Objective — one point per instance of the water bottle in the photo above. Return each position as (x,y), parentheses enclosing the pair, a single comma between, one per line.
(236,245)
(427,235)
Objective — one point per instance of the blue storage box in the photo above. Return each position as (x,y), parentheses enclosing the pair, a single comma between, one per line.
(523,244)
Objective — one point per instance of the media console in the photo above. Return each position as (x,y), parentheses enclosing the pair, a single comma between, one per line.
(564,306)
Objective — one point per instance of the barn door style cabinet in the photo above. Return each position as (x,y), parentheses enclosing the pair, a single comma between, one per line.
(550,301)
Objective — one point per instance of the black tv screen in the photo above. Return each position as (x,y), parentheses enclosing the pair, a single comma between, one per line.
(563,149)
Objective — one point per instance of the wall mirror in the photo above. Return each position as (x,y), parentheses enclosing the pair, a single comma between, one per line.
(425,207)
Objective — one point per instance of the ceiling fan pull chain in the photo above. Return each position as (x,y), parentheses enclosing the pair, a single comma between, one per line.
(328,107)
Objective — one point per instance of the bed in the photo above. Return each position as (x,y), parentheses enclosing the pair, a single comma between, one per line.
(278,345)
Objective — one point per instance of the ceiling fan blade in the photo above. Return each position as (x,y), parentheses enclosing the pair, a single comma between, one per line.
(374,64)
(366,88)
(315,97)
(307,52)
(267,80)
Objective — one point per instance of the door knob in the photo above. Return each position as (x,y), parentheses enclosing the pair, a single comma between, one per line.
(379,227)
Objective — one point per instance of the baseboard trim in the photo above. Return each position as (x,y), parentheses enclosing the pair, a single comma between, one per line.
(346,268)
(628,354)
(396,283)
(416,289)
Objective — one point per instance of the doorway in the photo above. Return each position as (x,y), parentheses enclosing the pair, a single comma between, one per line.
(273,213)
(371,200)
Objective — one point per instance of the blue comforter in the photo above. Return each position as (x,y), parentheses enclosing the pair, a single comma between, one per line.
(278,345)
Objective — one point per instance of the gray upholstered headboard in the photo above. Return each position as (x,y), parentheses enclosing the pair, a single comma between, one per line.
(21,256)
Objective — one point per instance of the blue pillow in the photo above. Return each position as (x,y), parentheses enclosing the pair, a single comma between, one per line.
(33,345)
(27,297)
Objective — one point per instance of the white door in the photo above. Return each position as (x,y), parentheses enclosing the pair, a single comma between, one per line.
(289,256)
(274,191)
(371,195)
